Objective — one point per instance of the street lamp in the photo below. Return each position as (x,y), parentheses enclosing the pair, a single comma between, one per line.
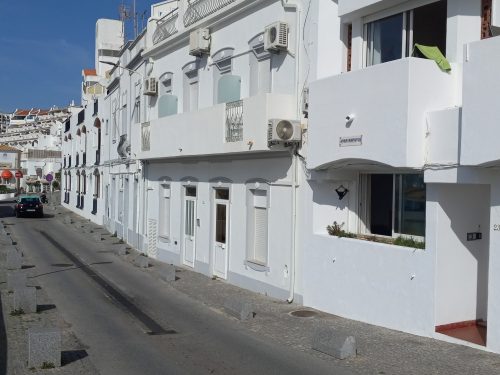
(116,65)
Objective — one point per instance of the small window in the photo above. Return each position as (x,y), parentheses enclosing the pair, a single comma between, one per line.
(257,229)
(191,87)
(190,191)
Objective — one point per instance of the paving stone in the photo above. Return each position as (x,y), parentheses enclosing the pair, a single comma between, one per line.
(5,240)
(327,340)
(167,273)
(44,347)
(25,299)
(239,307)
(97,237)
(4,250)
(141,261)
(120,249)
(67,219)
(13,260)
(16,280)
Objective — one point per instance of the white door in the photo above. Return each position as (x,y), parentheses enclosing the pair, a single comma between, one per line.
(189,232)
(221,220)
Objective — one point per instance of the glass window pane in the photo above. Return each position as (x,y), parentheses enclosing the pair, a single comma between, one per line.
(222,194)
(410,213)
(190,191)
(220,223)
(385,40)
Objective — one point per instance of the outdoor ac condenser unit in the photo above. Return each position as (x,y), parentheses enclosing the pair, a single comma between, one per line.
(276,37)
(150,86)
(199,42)
(283,131)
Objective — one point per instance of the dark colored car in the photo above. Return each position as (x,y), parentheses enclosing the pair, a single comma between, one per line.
(28,205)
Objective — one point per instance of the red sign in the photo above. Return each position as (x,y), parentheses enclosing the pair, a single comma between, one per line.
(6,174)
(18,174)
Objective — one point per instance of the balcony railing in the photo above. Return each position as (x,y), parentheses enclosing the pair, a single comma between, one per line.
(94,206)
(166,27)
(234,121)
(199,9)
(145,137)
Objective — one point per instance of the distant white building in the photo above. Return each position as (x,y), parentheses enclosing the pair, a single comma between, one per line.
(234,135)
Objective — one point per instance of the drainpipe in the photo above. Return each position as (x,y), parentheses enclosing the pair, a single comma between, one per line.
(294,224)
(294,4)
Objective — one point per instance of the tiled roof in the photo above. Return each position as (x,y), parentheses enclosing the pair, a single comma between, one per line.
(4,148)
(89,72)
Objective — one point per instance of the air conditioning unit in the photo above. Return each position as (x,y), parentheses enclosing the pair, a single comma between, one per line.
(276,37)
(150,86)
(283,131)
(199,42)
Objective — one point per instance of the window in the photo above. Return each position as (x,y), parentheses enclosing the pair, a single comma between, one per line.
(137,110)
(97,184)
(257,227)
(167,104)
(191,88)
(164,219)
(260,67)
(394,37)
(124,114)
(227,87)
(394,204)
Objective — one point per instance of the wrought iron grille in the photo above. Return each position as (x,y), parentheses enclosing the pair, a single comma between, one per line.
(145,137)
(199,9)
(166,27)
(234,121)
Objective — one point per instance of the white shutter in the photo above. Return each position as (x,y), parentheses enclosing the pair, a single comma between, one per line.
(152,238)
(260,234)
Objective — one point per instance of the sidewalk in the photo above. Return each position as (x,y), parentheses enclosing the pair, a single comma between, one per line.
(380,350)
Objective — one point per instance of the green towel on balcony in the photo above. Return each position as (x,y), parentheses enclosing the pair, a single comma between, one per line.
(433,53)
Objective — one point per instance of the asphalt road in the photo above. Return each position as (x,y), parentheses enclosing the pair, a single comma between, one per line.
(132,324)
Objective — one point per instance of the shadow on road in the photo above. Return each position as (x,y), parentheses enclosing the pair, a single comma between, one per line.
(3,343)
(69,356)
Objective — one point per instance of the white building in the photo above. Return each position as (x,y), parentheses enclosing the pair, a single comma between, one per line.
(384,143)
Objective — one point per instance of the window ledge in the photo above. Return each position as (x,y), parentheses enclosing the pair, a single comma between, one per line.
(256,266)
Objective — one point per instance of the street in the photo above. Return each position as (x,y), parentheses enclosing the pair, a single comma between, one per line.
(129,324)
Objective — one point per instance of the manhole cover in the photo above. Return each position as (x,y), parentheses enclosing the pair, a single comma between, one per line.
(304,313)
(62,265)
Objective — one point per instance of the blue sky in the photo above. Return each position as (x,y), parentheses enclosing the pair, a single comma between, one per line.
(45,44)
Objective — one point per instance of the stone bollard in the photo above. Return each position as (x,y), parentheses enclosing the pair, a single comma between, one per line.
(239,308)
(328,341)
(25,299)
(13,259)
(168,273)
(141,261)
(44,347)
(16,280)
(120,249)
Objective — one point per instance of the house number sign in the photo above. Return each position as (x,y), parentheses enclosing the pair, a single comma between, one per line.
(496,227)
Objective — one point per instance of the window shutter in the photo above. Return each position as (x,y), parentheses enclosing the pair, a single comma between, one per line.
(260,241)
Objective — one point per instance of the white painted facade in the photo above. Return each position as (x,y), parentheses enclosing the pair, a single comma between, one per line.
(188,177)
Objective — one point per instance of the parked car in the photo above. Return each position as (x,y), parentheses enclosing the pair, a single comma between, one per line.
(28,205)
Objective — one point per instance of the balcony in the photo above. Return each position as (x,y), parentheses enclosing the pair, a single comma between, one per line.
(166,27)
(238,127)
(199,9)
(388,105)
(481,113)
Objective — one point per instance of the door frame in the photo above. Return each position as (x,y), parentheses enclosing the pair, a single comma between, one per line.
(213,242)
(188,183)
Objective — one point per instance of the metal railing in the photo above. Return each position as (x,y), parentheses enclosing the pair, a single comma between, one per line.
(166,27)
(199,9)
(234,121)
(145,137)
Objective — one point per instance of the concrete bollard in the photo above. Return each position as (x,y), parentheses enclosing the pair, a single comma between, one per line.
(168,273)
(239,308)
(13,259)
(44,347)
(25,299)
(340,346)
(16,280)
(141,261)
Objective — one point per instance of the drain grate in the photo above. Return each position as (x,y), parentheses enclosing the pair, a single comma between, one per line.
(303,313)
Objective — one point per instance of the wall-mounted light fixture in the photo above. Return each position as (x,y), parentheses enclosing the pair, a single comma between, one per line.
(341,191)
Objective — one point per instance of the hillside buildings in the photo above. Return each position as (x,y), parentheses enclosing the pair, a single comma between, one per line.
(230,134)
